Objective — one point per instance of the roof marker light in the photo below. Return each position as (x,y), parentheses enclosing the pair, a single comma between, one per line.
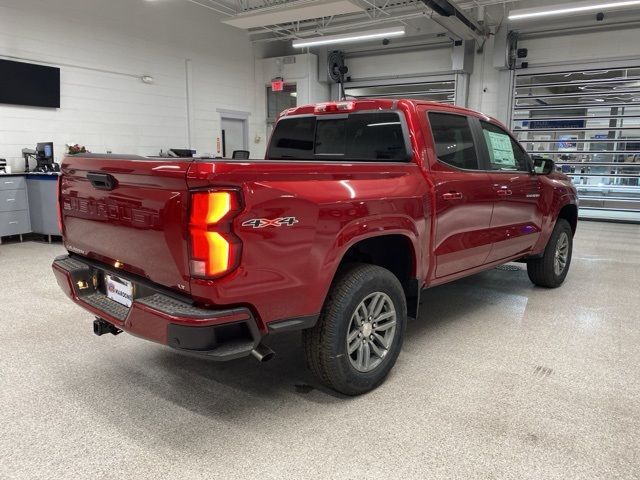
(333,107)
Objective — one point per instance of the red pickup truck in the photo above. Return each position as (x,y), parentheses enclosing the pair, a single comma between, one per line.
(358,206)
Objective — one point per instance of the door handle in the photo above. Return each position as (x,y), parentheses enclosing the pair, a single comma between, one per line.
(504,193)
(102,181)
(452,196)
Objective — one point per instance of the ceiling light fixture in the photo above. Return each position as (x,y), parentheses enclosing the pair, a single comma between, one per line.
(567,8)
(350,37)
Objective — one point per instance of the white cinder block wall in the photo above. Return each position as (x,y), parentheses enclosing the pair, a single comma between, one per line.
(102,48)
(200,67)
(299,69)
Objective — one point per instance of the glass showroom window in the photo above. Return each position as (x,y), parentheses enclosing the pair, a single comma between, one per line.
(588,122)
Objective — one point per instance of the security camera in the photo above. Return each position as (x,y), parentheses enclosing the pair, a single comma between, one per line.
(386,41)
(600,16)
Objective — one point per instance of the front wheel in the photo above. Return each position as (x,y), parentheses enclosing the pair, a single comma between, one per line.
(551,269)
(359,334)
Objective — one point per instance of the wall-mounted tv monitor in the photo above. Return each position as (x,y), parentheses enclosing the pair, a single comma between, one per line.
(29,84)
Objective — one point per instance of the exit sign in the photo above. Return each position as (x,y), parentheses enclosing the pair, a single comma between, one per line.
(277,85)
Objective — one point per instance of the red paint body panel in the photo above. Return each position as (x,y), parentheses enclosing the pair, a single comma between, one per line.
(517,220)
(140,224)
(455,221)
(286,271)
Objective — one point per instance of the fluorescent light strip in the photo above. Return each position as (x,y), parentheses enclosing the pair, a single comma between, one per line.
(350,37)
(576,8)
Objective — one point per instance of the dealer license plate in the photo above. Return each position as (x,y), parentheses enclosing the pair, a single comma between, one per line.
(119,290)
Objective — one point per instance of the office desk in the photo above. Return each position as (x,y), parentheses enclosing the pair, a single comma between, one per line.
(28,204)
(42,191)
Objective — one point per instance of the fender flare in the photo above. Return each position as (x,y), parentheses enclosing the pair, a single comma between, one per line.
(375,227)
(559,203)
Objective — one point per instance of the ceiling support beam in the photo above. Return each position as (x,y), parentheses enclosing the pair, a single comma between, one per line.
(451,17)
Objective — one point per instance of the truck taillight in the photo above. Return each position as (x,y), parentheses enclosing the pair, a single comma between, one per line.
(59,203)
(215,250)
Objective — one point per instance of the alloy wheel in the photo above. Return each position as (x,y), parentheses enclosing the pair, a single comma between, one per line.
(562,254)
(371,331)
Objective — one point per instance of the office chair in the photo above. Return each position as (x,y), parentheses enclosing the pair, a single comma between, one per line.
(240,154)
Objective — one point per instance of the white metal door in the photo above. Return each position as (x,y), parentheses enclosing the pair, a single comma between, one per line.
(233,135)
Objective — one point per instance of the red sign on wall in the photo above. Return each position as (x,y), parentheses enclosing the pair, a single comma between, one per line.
(277,85)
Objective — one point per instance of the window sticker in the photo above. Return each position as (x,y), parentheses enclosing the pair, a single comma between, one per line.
(500,150)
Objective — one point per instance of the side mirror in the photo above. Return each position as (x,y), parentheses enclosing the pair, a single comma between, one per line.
(543,166)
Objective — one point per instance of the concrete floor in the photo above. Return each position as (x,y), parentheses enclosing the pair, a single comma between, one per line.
(497,379)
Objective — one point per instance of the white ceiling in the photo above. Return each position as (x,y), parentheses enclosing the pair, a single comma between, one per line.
(269,20)
(290,12)
(285,20)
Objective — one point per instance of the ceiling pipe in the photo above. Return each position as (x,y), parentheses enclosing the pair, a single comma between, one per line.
(341,27)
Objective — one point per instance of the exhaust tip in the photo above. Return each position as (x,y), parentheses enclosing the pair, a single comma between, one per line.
(263,353)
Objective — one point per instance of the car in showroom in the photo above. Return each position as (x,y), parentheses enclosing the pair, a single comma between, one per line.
(358,206)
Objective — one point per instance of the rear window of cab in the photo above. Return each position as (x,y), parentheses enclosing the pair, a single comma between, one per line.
(376,136)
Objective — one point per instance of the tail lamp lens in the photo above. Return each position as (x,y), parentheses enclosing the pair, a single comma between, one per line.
(210,207)
(214,249)
(59,205)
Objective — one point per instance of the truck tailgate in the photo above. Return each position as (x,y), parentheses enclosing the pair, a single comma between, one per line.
(128,211)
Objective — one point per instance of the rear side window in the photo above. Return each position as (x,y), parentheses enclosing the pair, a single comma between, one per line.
(331,138)
(504,152)
(293,138)
(454,140)
(354,137)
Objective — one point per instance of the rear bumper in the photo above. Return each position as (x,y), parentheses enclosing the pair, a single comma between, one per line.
(158,315)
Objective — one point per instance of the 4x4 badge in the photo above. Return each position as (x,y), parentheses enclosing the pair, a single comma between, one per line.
(265,222)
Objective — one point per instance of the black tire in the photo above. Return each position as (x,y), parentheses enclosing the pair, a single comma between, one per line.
(542,271)
(325,344)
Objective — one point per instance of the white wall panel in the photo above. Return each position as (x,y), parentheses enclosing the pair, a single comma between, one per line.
(582,47)
(489,88)
(102,49)
(430,61)
(303,72)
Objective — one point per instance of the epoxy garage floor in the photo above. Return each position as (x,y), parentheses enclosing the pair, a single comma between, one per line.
(497,379)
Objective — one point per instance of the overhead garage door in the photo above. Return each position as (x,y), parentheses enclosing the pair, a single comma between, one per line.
(588,122)
(439,91)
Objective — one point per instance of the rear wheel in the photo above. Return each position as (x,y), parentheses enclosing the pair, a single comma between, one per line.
(359,334)
(551,269)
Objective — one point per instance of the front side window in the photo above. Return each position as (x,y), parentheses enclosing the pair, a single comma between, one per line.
(454,140)
(355,137)
(504,152)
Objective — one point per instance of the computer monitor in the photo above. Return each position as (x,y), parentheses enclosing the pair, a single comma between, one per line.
(44,158)
(44,152)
